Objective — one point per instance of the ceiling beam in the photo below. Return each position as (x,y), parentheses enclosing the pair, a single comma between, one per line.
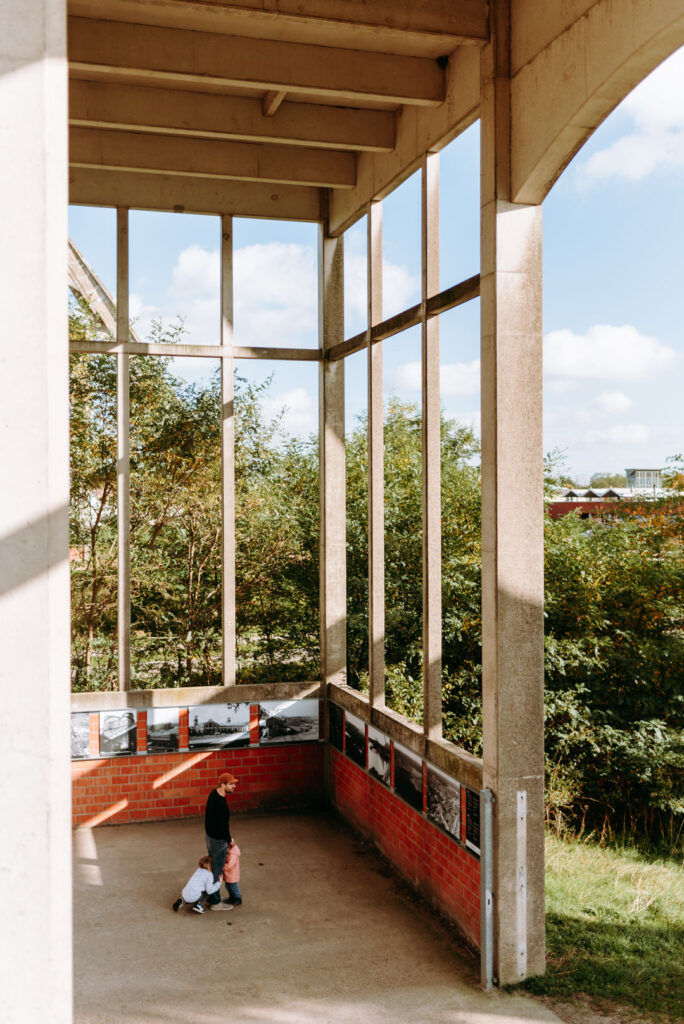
(271,102)
(204,158)
(166,54)
(208,115)
(391,25)
(92,187)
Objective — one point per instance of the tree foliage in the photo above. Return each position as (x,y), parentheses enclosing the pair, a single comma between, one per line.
(614,605)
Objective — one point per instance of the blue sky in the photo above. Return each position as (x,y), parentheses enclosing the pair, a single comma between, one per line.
(613,288)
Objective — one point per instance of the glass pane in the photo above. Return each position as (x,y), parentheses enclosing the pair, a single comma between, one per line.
(176,550)
(174,269)
(356,457)
(401,247)
(93,522)
(403,524)
(276,521)
(276,286)
(459,208)
(461,534)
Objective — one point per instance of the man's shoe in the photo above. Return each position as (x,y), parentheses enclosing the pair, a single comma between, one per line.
(198,908)
(220,906)
(178,903)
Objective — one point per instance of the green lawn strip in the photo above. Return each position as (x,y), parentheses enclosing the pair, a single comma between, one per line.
(615,926)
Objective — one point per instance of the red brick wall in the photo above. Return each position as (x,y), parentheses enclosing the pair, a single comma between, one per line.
(145,787)
(433,863)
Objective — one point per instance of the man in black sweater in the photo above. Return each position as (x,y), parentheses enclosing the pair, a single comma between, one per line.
(217,829)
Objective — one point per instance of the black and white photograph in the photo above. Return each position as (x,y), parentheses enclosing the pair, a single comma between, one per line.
(336,726)
(218,726)
(473,821)
(444,801)
(408,776)
(118,732)
(80,734)
(379,755)
(355,739)
(288,721)
(162,730)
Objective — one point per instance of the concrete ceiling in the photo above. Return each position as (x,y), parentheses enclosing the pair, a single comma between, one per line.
(258,107)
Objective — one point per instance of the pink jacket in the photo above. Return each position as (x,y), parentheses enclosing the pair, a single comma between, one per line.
(231,868)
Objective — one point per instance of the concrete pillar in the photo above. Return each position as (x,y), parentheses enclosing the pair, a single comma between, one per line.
(333,519)
(34,547)
(512,529)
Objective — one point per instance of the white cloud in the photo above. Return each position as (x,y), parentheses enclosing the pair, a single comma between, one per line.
(605,353)
(455,378)
(612,403)
(656,109)
(629,433)
(400,288)
(299,407)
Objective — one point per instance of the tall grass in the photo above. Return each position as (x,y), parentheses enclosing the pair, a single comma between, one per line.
(615,926)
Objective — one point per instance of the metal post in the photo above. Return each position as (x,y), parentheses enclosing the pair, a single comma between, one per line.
(123,424)
(227,453)
(486,895)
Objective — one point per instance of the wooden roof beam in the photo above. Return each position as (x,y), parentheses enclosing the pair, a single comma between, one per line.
(204,158)
(166,54)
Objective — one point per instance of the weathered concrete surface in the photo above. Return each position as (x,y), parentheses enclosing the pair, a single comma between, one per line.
(324,935)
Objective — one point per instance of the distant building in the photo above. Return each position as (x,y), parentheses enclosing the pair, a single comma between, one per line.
(591,501)
(643,478)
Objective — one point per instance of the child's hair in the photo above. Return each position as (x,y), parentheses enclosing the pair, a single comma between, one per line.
(205,862)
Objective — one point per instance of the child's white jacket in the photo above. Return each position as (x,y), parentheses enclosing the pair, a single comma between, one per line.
(200,883)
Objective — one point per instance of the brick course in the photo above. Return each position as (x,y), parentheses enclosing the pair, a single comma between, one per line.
(438,867)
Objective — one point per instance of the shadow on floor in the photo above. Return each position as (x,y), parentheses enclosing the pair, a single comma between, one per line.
(326,935)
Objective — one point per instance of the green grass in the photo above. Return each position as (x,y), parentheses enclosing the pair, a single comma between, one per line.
(614,926)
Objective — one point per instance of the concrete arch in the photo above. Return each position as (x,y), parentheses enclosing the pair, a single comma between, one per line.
(571,65)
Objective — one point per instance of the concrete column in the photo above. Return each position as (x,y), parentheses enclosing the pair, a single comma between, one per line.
(228,454)
(512,529)
(35,861)
(431,475)
(123,456)
(376,471)
(333,518)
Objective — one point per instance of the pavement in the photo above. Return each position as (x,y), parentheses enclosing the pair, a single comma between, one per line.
(326,935)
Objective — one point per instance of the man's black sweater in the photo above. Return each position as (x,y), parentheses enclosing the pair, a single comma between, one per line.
(217,817)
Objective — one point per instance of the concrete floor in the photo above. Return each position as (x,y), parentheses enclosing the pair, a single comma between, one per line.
(325,935)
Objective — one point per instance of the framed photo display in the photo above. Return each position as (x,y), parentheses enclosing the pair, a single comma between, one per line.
(289,721)
(218,726)
(379,755)
(444,801)
(118,732)
(355,739)
(408,776)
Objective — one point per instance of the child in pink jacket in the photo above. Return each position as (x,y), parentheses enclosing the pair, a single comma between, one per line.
(231,874)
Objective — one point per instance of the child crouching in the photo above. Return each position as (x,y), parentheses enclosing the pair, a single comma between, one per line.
(199,885)
(231,874)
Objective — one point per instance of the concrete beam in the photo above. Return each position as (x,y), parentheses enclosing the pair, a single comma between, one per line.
(193,195)
(165,54)
(393,26)
(209,115)
(204,158)
(570,72)
(418,132)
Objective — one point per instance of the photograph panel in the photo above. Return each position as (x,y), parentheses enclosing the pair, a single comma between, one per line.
(379,755)
(355,739)
(336,726)
(162,730)
(288,721)
(218,726)
(408,776)
(444,801)
(80,734)
(473,821)
(118,732)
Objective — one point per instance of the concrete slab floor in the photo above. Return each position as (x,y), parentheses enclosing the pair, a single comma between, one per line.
(325,935)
